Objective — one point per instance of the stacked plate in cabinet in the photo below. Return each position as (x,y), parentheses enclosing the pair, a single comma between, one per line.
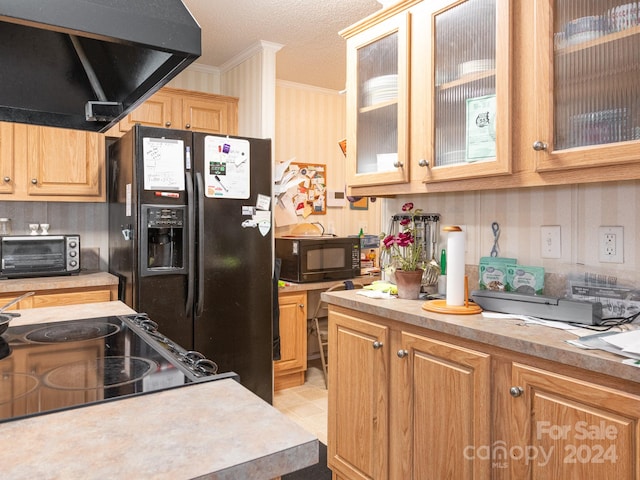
(475,66)
(380,89)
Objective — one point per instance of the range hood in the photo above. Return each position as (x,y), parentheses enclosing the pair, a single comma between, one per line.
(85,64)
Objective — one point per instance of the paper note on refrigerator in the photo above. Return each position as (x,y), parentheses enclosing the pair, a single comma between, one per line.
(227,167)
(163,162)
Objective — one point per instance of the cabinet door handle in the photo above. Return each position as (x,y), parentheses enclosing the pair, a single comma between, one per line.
(34,181)
(301,305)
(167,124)
(377,345)
(423,162)
(188,125)
(7,179)
(398,164)
(402,353)
(538,146)
(516,391)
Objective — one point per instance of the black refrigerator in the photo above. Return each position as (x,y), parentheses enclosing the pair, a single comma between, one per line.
(190,239)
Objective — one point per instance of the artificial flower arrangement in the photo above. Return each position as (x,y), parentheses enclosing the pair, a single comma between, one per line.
(402,248)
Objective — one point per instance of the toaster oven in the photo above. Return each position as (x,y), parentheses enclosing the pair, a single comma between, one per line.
(39,255)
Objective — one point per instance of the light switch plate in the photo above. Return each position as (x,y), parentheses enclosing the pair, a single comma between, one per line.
(550,244)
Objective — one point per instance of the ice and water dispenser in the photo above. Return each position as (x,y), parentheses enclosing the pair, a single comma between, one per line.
(164,240)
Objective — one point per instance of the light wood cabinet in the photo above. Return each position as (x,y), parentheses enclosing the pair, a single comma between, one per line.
(62,296)
(358,414)
(586,86)
(396,392)
(186,110)
(440,58)
(408,402)
(290,370)
(565,99)
(51,164)
(7,159)
(571,428)
(378,103)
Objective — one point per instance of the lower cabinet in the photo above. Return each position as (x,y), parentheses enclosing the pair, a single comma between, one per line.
(290,370)
(570,428)
(406,402)
(402,405)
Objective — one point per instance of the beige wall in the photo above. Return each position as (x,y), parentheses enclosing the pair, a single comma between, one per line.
(310,122)
(578,209)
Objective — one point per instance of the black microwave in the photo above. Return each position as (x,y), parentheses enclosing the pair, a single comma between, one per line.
(39,255)
(317,259)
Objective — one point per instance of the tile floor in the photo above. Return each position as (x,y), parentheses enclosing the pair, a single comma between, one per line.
(306,404)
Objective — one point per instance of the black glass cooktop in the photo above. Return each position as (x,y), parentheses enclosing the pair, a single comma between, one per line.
(59,365)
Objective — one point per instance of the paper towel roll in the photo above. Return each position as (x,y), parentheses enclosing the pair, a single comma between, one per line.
(455,266)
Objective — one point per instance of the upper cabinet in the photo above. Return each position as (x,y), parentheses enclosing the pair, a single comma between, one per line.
(587,72)
(7,175)
(428,93)
(461,89)
(51,164)
(186,110)
(378,103)
(457,95)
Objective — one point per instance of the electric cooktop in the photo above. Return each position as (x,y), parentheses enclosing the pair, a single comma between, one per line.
(53,366)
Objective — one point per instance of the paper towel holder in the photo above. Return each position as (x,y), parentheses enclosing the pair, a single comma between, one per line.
(440,306)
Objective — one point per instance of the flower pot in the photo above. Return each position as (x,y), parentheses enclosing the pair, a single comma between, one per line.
(409,283)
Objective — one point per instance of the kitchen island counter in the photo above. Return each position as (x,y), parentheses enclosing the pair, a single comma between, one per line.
(216,430)
(511,336)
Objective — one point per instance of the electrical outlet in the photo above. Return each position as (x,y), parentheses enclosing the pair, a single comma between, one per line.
(550,245)
(611,244)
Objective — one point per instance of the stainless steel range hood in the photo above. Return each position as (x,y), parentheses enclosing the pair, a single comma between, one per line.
(84,64)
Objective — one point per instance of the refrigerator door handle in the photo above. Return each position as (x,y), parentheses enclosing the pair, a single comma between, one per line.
(200,196)
(191,219)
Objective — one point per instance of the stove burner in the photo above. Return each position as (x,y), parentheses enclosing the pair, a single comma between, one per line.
(16,385)
(72,332)
(100,372)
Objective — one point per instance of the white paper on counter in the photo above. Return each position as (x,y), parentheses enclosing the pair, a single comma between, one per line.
(627,341)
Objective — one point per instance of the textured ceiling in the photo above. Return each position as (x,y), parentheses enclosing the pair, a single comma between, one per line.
(313,53)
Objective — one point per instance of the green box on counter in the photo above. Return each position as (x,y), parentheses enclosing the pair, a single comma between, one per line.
(524,279)
(493,272)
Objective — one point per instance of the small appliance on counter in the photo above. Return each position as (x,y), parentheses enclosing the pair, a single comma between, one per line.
(317,259)
(39,255)
(59,365)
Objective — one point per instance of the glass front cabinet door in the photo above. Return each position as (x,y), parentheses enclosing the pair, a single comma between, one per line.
(461,86)
(377,102)
(587,72)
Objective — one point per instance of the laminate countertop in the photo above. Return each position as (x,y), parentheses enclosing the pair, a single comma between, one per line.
(508,334)
(84,279)
(211,430)
(324,285)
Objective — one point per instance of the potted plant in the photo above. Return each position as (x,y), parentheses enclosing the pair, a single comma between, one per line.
(405,254)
